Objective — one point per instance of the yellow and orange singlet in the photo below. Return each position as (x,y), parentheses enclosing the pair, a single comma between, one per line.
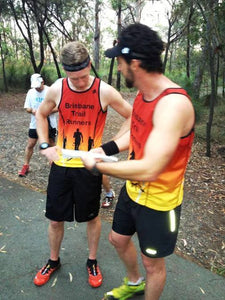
(81,121)
(166,192)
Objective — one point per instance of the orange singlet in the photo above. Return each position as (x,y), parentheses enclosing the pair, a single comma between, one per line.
(81,121)
(166,192)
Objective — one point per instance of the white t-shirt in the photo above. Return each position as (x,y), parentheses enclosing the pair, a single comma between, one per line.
(33,100)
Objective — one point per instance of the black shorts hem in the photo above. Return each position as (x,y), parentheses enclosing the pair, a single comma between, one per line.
(70,220)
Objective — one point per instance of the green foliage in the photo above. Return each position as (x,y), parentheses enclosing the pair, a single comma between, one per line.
(187,83)
(115,4)
(218,127)
(220,271)
(49,73)
(18,74)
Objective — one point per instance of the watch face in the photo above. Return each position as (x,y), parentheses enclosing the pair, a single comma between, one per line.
(44,145)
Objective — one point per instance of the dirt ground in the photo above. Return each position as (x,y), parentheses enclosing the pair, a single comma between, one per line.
(202,229)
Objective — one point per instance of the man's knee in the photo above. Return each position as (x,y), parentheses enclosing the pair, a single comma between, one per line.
(154,265)
(118,241)
(56,225)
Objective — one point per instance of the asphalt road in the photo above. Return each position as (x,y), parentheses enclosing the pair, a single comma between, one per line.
(24,249)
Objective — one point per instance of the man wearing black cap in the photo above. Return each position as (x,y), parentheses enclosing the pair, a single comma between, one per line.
(159,143)
(73,192)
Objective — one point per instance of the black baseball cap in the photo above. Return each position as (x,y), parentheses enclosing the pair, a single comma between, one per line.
(123,50)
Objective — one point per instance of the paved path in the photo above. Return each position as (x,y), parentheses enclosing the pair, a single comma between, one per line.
(24,249)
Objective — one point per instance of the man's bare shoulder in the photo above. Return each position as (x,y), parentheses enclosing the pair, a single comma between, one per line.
(54,91)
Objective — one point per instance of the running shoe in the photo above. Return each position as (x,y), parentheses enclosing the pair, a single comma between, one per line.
(125,291)
(94,275)
(44,274)
(108,200)
(24,171)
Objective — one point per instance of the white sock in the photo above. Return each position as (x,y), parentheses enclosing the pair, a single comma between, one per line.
(109,194)
(137,282)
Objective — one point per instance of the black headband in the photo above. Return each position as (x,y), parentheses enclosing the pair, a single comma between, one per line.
(77,67)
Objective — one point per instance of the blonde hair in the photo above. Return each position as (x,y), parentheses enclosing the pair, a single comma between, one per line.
(74,53)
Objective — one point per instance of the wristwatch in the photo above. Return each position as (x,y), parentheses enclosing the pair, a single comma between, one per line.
(43,146)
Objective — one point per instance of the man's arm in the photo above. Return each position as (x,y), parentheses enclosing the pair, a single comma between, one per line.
(49,104)
(172,120)
(111,97)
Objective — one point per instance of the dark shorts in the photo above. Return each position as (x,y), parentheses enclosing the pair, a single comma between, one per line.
(157,230)
(32,133)
(72,193)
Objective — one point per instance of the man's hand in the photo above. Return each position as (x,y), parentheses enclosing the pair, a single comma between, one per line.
(51,153)
(88,160)
(97,150)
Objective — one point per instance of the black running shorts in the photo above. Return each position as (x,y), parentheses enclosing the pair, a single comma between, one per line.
(32,133)
(157,230)
(72,193)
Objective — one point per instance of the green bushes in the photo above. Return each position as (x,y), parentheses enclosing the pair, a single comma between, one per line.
(18,75)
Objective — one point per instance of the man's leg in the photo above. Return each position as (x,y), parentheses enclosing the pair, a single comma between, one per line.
(55,234)
(106,183)
(93,236)
(109,192)
(155,277)
(29,150)
(28,153)
(127,253)
(133,284)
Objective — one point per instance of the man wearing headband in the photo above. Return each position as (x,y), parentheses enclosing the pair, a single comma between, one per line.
(160,140)
(73,192)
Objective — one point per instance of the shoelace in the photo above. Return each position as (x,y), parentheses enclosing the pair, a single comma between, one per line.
(46,269)
(93,270)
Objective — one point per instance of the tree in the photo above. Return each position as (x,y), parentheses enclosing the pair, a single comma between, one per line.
(213,42)
(97,34)
(178,21)
(25,22)
(3,53)
(3,43)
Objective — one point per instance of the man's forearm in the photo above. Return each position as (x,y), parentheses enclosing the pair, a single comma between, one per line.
(42,129)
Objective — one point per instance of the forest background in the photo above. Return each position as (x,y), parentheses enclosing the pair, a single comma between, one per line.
(33,32)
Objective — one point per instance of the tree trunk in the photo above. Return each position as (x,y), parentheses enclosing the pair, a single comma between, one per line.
(3,66)
(167,47)
(213,98)
(188,52)
(199,73)
(97,35)
(119,30)
(53,54)
(223,88)
(111,71)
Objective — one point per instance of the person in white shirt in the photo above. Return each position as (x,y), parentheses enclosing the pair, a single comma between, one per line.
(33,100)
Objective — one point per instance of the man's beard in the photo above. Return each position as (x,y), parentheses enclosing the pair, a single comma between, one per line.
(129,81)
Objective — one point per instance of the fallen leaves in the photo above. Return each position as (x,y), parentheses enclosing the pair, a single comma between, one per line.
(70,277)
(2,249)
(54,282)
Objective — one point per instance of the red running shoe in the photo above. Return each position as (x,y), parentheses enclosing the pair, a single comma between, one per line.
(44,274)
(24,171)
(95,276)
